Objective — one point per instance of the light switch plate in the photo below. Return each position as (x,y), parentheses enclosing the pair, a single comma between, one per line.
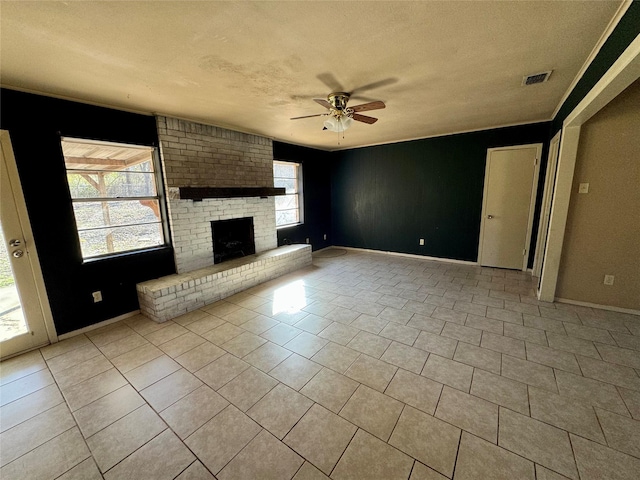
(584,188)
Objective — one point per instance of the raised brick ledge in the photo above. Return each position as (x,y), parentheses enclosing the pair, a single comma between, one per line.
(167,297)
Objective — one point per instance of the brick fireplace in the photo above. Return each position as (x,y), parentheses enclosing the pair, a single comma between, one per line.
(196,155)
(200,162)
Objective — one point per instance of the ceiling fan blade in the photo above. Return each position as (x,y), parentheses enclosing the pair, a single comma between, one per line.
(322,102)
(309,116)
(369,106)
(364,118)
(378,84)
(330,81)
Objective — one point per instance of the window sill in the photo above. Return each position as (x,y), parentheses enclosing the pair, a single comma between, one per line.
(282,227)
(120,255)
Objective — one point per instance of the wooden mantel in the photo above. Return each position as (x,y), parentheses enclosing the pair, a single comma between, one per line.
(199,193)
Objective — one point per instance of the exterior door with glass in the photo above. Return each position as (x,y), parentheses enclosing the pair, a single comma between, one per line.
(22,302)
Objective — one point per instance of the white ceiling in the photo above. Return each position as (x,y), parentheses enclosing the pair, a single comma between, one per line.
(441,67)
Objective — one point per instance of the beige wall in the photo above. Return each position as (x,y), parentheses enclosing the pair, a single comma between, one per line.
(603,227)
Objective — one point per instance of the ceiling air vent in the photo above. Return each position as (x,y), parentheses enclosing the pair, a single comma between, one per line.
(536,78)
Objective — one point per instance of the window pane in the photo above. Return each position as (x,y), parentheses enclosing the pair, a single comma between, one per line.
(111,184)
(124,212)
(87,155)
(286,202)
(120,239)
(286,175)
(141,167)
(290,184)
(286,217)
(287,170)
(100,175)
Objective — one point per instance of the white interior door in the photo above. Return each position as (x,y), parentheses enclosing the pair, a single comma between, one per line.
(22,316)
(508,204)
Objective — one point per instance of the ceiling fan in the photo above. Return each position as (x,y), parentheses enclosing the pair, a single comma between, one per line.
(340,116)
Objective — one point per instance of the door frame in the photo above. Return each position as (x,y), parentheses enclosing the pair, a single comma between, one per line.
(30,245)
(532,204)
(547,199)
(624,71)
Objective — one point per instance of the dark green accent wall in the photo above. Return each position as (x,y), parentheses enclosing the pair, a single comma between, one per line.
(625,32)
(35,124)
(387,197)
(316,187)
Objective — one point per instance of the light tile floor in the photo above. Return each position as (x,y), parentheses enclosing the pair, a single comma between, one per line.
(363,366)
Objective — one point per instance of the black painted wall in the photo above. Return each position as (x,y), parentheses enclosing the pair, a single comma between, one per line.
(35,124)
(316,187)
(387,197)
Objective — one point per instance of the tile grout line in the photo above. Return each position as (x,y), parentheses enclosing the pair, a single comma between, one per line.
(46,410)
(189,466)
(238,452)
(553,369)
(573,453)
(37,390)
(132,453)
(61,433)
(457,453)
(604,435)
(346,448)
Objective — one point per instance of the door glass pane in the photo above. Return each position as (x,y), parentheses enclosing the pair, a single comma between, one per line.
(12,322)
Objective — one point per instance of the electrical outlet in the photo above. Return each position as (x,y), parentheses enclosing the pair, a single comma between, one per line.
(422,241)
(307,239)
(608,279)
(325,236)
(97,296)
(583,188)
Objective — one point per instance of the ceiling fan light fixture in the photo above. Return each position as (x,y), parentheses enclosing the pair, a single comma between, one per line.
(339,116)
(330,124)
(338,123)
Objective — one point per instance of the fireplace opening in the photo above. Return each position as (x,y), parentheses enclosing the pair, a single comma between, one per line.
(232,239)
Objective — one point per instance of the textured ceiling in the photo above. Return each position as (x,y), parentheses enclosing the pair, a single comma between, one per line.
(441,67)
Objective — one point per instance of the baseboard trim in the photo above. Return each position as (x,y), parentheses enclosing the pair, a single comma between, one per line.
(595,305)
(410,255)
(95,326)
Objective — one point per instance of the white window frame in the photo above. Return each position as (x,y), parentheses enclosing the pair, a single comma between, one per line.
(159,197)
(298,193)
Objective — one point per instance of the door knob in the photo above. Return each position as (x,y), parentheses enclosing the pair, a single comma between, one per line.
(14,243)
(18,253)
(489,216)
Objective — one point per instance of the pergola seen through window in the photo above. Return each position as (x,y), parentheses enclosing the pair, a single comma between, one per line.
(115,196)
